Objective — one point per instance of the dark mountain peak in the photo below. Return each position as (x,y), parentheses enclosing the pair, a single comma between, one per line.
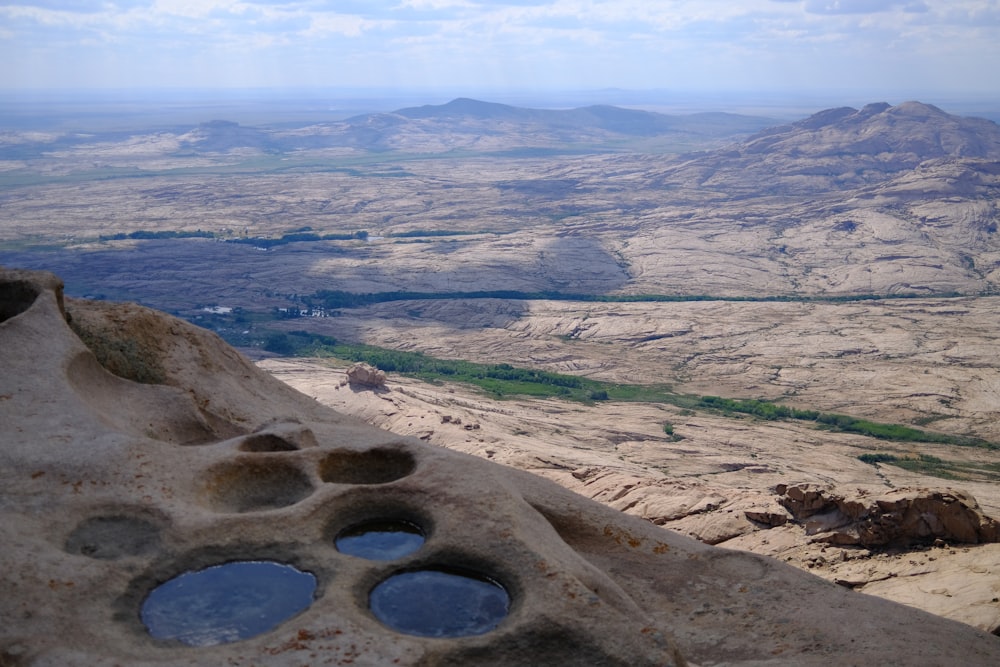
(462,106)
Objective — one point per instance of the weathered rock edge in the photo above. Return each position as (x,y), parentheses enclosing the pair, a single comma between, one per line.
(221,461)
(899,516)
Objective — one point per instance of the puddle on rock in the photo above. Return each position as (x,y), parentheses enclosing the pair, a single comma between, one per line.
(226,603)
(440,603)
(380,540)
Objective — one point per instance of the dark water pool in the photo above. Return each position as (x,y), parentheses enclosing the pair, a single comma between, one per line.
(380,540)
(227,602)
(440,603)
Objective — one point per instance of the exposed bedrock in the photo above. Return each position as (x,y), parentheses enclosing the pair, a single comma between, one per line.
(896,517)
(112,487)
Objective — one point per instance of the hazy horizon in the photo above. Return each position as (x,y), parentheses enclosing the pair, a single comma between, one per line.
(124,109)
(864,49)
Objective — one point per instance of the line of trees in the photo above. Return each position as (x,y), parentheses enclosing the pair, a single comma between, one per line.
(297,237)
(340,299)
(167,234)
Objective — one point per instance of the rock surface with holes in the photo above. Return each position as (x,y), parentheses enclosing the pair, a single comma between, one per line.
(112,488)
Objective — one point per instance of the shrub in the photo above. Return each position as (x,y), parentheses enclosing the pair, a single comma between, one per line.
(877,458)
(279,343)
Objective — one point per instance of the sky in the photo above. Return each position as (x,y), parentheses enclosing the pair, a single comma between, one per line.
(921,48)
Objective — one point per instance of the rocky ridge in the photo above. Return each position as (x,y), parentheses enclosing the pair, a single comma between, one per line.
(844,148)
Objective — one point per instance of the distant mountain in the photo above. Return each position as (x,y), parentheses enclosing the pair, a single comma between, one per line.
(462,124)
(841,148)
(464,107)
(615,120)
(833,149)
(910,131)
(610,118)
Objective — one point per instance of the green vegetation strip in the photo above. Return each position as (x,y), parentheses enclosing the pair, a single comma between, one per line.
(504,380)
(332,299)
(936,467)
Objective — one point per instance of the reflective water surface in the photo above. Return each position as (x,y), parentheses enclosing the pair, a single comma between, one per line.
(440,603)
(380,540)
(227,602)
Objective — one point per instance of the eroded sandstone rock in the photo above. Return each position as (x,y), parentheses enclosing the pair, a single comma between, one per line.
(898,516)
(366,375)
(88,458)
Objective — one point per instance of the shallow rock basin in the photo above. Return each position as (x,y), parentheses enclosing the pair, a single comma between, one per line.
(380,540)
(227,602)
(440,603)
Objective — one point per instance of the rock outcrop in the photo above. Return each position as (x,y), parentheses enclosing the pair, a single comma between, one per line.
(366,375)
(111,487)
(896,517)
(713,485)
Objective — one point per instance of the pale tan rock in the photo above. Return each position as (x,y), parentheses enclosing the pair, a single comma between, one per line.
(618,451)
(772,515)
(276,479)
(590,585)
(366,375)
(898,516)
(805,500)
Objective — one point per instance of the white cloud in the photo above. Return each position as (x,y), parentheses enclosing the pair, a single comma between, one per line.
(325,24)
(435,4)
(625,43)
(850,6)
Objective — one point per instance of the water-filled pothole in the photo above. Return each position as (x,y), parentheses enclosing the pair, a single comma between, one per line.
(227,602)
(440,602)
(385,539)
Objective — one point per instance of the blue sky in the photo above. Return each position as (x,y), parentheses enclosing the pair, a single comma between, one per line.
(923,47)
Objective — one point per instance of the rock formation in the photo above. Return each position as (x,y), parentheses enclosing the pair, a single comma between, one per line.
(366,375)
(111,487)
(899,516)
